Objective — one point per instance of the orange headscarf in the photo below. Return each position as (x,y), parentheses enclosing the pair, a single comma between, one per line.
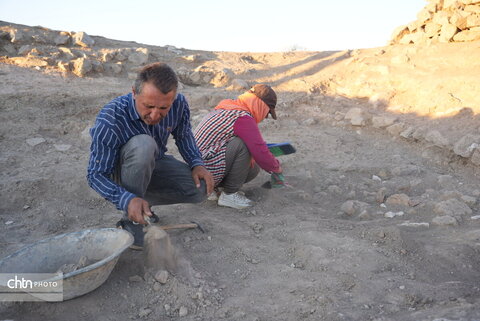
(247,102)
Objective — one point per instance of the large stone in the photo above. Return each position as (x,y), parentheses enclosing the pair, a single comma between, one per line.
(357,116)
(432,29)
(17,35)
(82,67)
(475,159)
(82,39)
(10,49)
(445,220)
(473,21)
(459,19)
(223,78)
(452,207)
(395,129)
(399,33)
(383,121)
(472,34)
(472,8)
(62,38)
(441,18)
(398,199)
(436,138)
(448,31)
(467,145)
(139,57)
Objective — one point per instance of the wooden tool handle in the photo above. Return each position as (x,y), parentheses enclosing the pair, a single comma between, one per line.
(178,226)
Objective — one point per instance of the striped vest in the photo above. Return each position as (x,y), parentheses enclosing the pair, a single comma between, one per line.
(212,135)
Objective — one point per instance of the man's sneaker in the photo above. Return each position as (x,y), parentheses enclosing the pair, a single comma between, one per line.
(136,230)
(234,200)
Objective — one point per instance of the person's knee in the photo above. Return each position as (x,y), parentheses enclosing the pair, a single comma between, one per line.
(140,149)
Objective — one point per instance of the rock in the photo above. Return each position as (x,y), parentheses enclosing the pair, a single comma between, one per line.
(157,286)
(466,145)
(161,276)
(17,35)
(115,68)
(364,215)
(239,85)
(357,116)
(309,122)
(348,208)
(447,32)
(25,49)
(135,278)
(415,224)
(452,207)
(459,19)
(394,214)
(437,139)
(82,66)
(62,147)
(380,196)
(473,21)
(10,49)
(475,159)
(469,200)
(408,133)
(64,66)
(445,221)
(383,121)
(195,58)
(62,38)
(139,57)
(432,29)
(35,141)
(82,39)
(223,78)
(406,170)
(395,129)
(472,34)
(398,199)
(182,312)
(144,312)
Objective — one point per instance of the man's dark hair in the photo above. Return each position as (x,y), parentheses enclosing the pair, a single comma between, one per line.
(160,75)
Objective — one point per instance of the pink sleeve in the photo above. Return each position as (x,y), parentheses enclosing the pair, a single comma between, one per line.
(246,128)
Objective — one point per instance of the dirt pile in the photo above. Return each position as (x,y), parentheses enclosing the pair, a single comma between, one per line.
(442,21)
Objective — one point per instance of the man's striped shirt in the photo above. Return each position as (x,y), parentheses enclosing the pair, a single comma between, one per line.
(119,121)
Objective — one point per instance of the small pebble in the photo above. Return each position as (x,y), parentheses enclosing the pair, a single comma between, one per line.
(135,278)
(183,311)
(161,276)
(8,222)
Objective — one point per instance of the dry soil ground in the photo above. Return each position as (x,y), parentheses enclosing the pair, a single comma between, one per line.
(300,253)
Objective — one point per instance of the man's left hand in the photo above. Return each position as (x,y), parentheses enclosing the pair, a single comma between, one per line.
(200,172)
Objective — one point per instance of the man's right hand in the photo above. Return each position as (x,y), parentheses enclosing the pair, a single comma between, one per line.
(137,208)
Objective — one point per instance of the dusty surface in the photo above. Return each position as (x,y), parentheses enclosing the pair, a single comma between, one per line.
(302,253)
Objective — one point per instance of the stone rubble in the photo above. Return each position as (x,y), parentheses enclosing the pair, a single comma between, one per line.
(442,21)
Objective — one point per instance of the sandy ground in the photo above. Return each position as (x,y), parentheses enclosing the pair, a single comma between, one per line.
(301,253)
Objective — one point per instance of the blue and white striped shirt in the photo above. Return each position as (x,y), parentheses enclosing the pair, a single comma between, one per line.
(119,121)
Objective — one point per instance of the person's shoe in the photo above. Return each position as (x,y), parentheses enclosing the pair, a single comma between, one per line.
(136,230)
(234,200)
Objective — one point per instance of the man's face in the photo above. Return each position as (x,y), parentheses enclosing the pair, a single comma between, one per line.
(152,105)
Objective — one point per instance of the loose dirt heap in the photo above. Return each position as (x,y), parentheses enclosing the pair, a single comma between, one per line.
(382,220)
